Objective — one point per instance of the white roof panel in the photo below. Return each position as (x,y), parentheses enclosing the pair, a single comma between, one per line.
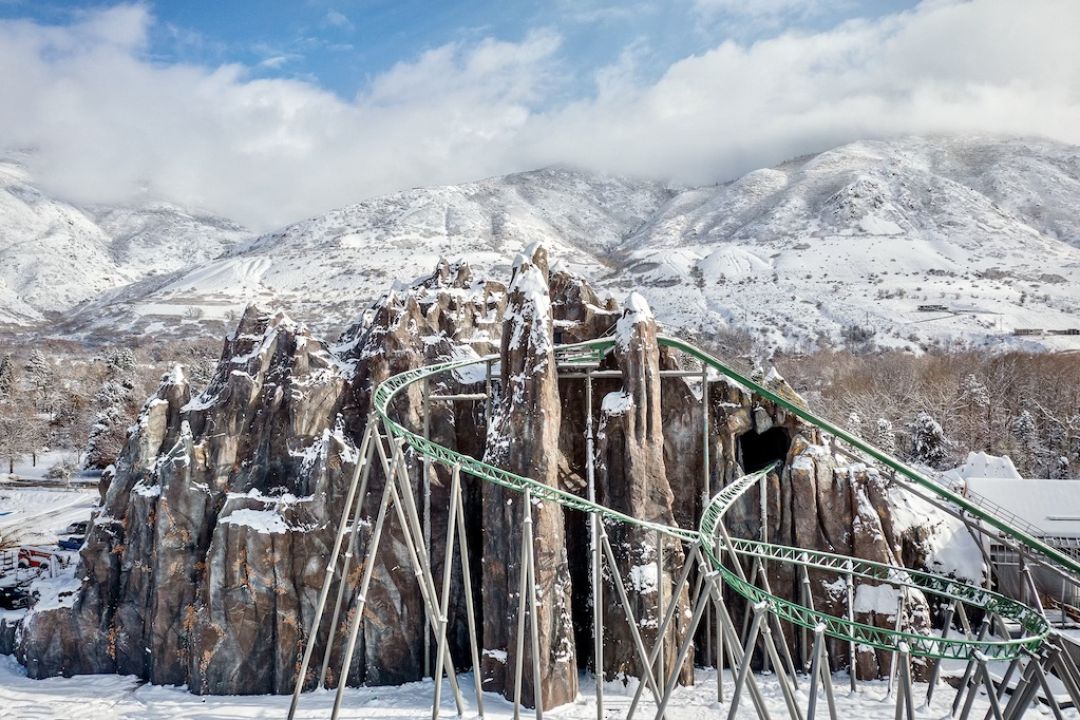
(1051,505)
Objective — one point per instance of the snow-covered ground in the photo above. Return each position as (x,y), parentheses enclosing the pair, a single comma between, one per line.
(98,697)
(38,516)
(36,469)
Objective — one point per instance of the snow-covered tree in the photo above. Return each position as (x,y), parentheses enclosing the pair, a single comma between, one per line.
(18,431)
(1024,428)
(116,405)
(115,392)
(885,436)
(7,376)
(106,440)
(973,400)
(928,442)
(120,361)
(973,392)
(41,378)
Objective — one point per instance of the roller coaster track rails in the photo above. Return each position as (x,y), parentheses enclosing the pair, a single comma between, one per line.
(1032,622)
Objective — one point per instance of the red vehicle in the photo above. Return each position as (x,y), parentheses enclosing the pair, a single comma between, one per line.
(42,559)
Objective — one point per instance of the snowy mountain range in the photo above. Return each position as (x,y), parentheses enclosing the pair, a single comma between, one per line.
(55,255)
(914,240)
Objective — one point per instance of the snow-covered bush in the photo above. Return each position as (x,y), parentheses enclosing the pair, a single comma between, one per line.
(63,470)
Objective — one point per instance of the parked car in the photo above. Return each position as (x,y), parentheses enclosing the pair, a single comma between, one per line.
(72,542)
(76,535)
(15,596)
(78,528)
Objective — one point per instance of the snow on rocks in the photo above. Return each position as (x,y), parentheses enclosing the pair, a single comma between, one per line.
(636,312)
(264,521)
(616,403)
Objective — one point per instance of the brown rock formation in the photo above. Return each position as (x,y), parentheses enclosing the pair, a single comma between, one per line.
(204,562)
(523,438)
(632,478)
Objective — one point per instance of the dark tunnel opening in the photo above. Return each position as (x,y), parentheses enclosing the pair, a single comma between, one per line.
(758,451)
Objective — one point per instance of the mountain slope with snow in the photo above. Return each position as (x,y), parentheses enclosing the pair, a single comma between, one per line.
(324,269)
(913,241)
(54,255)
(865,234)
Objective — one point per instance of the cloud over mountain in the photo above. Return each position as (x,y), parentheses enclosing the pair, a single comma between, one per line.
(107,121)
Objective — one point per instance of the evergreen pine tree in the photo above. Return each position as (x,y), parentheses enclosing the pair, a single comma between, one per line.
(116,403)
(885,436)
(928,442)
(7,376)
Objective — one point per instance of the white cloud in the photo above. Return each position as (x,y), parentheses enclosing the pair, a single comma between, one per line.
(336,18)
(107,124)
(766,8)
(275,62)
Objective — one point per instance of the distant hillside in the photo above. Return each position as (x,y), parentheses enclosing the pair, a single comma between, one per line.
(908,241)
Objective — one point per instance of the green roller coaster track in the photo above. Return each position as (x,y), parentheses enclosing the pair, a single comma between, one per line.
(1030,620)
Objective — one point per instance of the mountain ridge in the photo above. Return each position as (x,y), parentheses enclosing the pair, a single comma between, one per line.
(986,228)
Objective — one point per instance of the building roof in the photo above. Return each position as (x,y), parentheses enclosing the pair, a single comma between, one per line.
(1053,506)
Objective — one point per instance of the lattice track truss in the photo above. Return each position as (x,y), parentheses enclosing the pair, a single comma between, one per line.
(719,560)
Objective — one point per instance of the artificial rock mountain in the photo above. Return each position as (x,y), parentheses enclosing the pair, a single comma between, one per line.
(204,561)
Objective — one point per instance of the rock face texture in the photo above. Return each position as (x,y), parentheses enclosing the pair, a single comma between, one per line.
(523,437)
(204,561)
(633,479)
(199,554)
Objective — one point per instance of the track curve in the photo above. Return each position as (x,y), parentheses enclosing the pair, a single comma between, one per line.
(931,646)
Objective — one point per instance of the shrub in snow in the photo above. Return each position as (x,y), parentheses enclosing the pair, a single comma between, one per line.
(63,470)
(859,338)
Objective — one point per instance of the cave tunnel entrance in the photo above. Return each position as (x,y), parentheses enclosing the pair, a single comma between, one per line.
(758,451)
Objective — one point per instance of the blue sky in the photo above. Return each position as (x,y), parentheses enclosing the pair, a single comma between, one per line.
(341,45)
(269,112)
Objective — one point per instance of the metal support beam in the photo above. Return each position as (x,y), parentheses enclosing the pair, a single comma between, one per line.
(935,672)
(365,582)
(444,599)
(350,549)
(328,577)
(693,558)
(596,575)
(853,659)
(706,496)
(684,649)
(405,508)
(470,611)
(744,666)
(631,621)
(534,622)
(425,484)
